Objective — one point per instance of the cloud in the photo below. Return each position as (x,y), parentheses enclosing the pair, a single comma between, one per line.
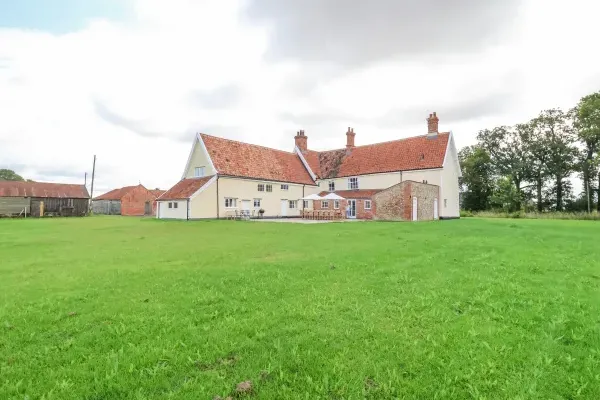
(355,33)
(226,96)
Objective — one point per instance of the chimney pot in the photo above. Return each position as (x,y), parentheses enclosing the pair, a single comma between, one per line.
(350,139)
(432,124)
(301,141)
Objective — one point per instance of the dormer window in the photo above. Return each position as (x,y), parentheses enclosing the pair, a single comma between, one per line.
(352,183)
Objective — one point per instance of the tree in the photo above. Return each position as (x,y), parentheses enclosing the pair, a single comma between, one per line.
(536,144)
(506,195)
(510,155)
(10,175)
(587,125)
(558,136)
(477,182)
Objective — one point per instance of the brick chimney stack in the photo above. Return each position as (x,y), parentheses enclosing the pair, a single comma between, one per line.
(350,139)
(301,141)
(432,125)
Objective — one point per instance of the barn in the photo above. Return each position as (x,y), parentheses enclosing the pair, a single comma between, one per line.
(128,200)
(43,199)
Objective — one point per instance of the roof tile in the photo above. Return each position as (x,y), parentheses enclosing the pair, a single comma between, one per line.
(42,189)
(185,188)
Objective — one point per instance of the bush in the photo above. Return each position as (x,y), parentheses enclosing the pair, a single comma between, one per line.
(594,216)
(465,214)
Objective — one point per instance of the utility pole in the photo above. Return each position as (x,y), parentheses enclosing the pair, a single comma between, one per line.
(85,180)
(92,188)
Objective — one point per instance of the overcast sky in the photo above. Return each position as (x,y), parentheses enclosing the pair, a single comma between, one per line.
(132,80)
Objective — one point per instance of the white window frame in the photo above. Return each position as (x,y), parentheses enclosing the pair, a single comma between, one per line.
(331,186)
(324,203)
(336,204)
(170,204)
(367,202)
(305,204)
(256,201)
(445,203)
(199,172)
(293,204)
(232,202)
(350,186)
(269,188)
(175,204)
(285,187)
(261,187)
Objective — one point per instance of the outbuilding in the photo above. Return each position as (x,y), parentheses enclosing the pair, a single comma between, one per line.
(43,199)
(128,200)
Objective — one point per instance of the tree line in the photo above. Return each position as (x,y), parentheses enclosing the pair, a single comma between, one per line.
(530,166)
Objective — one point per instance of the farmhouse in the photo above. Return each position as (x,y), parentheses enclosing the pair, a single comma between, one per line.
(128,200)
(407,179)
(43,199)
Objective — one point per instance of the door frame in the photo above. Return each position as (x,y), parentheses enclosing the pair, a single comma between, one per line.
(415,209)
(436,210)
(284,207)
(353,202)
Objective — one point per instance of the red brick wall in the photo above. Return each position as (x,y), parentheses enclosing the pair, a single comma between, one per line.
(134,202)
(361,213)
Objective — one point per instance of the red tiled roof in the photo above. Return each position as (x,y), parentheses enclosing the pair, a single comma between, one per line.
(419,152)
(157,192)
(115,194)
(184,188)
(353,194)
(42,189)
(235,158)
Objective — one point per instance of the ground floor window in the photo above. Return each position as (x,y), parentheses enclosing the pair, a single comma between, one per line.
(256,203)
(230,202)
(173,204)
(367,204)
(336,204)
(445,203)
(293,204)
(324,204)
(305,204)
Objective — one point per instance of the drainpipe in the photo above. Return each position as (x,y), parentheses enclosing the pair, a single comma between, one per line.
(187,210)
(218,197)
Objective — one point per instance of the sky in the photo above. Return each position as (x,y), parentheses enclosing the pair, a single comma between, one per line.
(131,81)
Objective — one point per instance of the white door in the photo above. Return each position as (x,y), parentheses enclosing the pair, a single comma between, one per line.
(414,209)
(435,209)
(246,205)
(284,208)
(351,208)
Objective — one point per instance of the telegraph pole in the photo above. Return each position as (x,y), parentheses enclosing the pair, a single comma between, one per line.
(92,188)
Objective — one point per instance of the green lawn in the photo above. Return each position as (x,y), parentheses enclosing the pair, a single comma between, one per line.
(125,308)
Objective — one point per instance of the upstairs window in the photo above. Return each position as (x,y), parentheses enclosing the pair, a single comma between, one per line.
(332,186)
(261,187)
(285,187)
(198,172)
(269,188)
(352,183)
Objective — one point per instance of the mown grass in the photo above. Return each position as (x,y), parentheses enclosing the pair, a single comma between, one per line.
(123,308)
(583,216)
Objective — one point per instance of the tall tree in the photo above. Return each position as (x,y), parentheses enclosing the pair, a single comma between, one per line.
(510,154)
(556,129)
(506,195)
(535,142)
(477,182)
(587,124)
(10,175)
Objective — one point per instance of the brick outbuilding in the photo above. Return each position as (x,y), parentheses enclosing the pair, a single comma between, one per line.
(128,200)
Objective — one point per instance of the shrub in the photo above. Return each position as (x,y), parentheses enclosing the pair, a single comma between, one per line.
(465,214)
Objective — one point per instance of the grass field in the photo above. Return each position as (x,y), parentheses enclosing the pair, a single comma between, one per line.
(123,308)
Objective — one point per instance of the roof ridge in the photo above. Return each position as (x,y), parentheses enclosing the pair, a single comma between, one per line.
(378,143)
(248,144)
